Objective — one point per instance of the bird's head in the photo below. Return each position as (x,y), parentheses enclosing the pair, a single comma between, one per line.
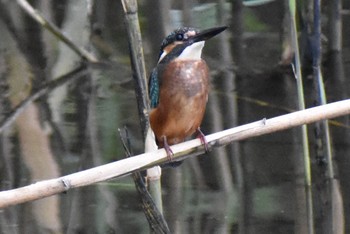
(186,43)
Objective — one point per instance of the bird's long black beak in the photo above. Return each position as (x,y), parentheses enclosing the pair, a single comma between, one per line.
(208,33)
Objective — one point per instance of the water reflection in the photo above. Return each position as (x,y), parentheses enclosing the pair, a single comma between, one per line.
(254,186)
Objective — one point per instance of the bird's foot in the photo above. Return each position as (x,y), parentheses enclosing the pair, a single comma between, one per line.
(204,142)
(167,149)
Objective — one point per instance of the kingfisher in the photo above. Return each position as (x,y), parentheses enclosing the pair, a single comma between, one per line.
(179,86)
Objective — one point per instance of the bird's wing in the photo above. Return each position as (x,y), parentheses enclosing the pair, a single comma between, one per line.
(154,88)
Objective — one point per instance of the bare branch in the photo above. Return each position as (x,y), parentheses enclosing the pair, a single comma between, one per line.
(137,61)
(55,31)
(184,150)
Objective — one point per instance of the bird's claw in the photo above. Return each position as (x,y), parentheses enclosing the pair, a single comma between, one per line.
(203,140)
(168,150)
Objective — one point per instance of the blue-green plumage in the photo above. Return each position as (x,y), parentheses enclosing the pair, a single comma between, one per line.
(154,88)
(155,77)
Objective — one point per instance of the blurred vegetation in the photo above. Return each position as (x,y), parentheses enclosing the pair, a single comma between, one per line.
(248,187)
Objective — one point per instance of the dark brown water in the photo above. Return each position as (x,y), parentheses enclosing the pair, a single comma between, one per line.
(253,186)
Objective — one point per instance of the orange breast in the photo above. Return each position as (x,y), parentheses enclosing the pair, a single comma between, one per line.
(183,97)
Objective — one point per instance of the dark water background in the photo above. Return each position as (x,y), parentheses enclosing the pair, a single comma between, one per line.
(252,186)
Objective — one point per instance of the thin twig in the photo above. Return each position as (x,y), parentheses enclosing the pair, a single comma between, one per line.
(154,216)
(304,132)
(55,31)
(9,119)
(184,150)
(317,57)
(331,217)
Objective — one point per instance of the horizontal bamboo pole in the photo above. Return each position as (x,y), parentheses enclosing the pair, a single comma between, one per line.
(126,166)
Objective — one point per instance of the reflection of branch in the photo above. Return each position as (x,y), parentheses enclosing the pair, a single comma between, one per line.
(5,17)
(8,120)
(184,150)
(54,30)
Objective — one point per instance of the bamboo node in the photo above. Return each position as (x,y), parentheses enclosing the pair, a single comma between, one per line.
(66,184)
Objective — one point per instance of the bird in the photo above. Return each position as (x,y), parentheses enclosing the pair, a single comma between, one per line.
(179,87)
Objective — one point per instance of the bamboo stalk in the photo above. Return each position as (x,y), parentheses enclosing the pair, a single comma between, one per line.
(301,104)
(187,149)
(141,90)
(137,61)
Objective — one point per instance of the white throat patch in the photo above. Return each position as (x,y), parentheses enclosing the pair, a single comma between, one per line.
(193,51)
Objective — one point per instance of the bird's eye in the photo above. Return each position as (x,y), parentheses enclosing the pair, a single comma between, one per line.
(179,37)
